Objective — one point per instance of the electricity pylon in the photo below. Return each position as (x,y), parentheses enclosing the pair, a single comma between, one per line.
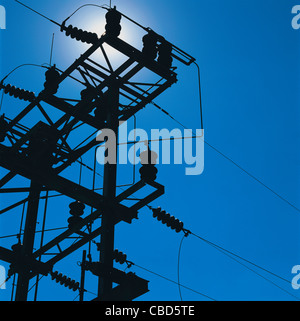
(41,154)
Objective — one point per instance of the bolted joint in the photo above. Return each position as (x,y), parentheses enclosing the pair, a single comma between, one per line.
(26,263)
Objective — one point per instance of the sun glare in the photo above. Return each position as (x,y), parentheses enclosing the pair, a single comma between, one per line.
(95,21)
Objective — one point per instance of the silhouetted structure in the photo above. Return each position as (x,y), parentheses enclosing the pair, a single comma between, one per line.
(42,153)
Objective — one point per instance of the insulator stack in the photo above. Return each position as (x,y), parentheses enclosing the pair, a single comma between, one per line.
(3,128)
(113,19)
(119,256)
(79,34)
(76,210)
(165,54)
(150,45)
(52,80)
(18,92)
(64,280)
(148,170)
(167,219)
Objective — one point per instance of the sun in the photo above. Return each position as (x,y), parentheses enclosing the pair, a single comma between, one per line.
(94,20)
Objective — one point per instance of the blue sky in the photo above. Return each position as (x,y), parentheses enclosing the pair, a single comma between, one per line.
(248,55)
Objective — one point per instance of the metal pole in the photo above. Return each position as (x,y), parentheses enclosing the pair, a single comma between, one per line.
(41,244)
(109,192)
(82,280)
(28,240)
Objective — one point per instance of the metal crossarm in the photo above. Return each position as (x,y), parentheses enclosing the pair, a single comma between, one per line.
(108,92)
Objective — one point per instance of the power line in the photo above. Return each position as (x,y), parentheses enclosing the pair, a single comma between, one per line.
(44,275)
(172,281)
(239,257)
(232,161)
(205,142)
(231,255)
(85,5)
(268,280)
(38,13)
(24,201)
(23,65)
(252,176)
(200,93)
(178,266)
(46,230)
(51,50)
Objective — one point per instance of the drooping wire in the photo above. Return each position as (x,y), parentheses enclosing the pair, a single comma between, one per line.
(206,142)
(175,282)
(178,267)
(234,257)
(200,104)
(85,5)
(214,148)
(22,65)
(200,94)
